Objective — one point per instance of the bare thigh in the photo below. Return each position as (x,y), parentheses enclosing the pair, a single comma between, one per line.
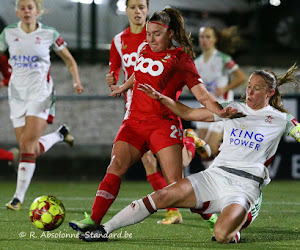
(180,194)
(122,157)
(170,160)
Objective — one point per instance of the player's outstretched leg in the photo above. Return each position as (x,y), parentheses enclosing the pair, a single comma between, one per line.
(67,137)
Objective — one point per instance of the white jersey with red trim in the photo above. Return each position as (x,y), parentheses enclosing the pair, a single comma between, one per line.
(215,73)
(30,60)
(250,143)
(123,53)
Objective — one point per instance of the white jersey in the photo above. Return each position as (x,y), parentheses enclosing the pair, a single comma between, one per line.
(215,73)
(30,60)
(250,143)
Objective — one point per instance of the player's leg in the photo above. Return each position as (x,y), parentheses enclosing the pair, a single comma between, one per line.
(229,223)
(27,137)
(122,157)
(180,194)
(47,141)
(157,181)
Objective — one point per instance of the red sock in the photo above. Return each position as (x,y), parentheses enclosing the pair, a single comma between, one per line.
(190,145)
(157,181)
(106,195)
(198,211)
(6,155)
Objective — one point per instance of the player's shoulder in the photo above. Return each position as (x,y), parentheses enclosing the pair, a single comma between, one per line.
(10,27)
(45,27)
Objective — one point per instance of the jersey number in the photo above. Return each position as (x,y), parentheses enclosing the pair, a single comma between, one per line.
(176,132)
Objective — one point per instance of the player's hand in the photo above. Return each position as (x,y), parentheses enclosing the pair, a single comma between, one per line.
(79,89)
(110,78)
(150,91)
(231,113)
(116,90)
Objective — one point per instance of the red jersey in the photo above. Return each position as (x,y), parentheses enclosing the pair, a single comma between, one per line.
(123,53)
(166,71)
(5,69)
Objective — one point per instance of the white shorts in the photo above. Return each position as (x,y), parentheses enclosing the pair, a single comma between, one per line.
(215,189)
(210,126)
(19,109)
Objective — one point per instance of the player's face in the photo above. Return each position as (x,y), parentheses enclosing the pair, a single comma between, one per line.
(258,93)
(27,11)
(207,38)
(137,11)
(159,37)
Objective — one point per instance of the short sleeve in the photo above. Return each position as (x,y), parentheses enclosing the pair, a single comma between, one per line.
(3,44)
(230,64)
(189,72)
(58,42)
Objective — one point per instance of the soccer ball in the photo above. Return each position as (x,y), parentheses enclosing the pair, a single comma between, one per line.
(47,212)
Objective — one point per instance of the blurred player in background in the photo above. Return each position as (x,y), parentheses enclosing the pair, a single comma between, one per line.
(220,75)
(30,90)
(150,125)
(12,155)
(123,54)
(232,184)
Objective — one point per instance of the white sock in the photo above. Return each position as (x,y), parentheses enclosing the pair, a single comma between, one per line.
(25,173)
(50,139)
(132,214)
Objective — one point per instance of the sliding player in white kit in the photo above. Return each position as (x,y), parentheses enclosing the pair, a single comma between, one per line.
(232,184)
(30,89)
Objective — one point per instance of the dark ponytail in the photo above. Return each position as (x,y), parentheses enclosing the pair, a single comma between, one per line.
(174,20)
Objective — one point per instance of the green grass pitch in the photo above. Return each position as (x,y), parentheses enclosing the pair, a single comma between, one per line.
(277,226)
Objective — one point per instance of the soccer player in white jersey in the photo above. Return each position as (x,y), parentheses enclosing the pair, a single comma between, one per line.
(220,75)
(232,184)
(30,89)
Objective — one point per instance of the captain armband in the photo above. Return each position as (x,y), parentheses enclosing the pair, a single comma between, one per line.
(296,133)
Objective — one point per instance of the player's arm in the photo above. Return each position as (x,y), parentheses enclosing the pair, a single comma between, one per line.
(179,109)
(117,90)
(115,63)
(238,78)
(207,100)
(70,62)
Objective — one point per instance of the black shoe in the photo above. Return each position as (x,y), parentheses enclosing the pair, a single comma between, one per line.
(213,238)
(99,234)
(68,138)
(14,204)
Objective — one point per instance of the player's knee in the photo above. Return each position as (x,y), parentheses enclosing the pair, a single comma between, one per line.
(117,166)
(222,236)
(161,198)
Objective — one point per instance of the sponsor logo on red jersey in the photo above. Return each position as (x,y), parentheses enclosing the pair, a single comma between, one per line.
(147,65)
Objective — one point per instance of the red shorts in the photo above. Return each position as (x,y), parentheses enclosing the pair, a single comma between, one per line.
(152,134)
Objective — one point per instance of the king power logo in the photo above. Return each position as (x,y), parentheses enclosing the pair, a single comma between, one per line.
(241,137)
(25,61)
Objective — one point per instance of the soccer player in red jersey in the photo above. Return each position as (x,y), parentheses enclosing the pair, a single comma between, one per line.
(123,54)
(149,124)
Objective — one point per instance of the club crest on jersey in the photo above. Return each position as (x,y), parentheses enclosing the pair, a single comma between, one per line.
(38,40)
(124,46)
(269,119)
(147,65)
